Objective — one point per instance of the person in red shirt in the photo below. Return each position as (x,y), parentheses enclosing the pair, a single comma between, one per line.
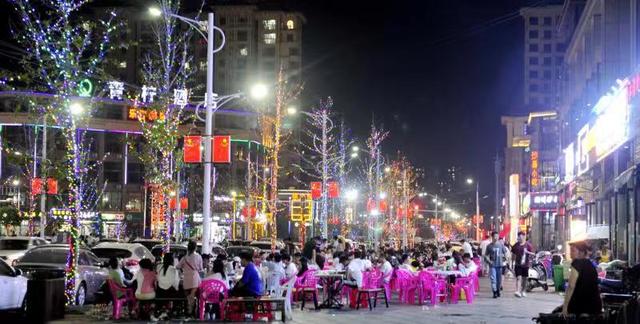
(522,252)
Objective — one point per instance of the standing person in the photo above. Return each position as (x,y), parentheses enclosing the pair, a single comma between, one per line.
(250,285)
(466,247)
(290,268)
(583,294)
(483,251)
(191,265)
(522,252)
(494,257)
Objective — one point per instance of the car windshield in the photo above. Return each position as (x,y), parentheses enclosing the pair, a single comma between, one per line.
(53,256)
(262,246)
(9,244)
(107,253)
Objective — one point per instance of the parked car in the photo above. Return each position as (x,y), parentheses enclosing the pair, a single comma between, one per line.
(215,249)
(265,246)
(148,243)
(178,250)
(50,261)
(233,251)
(13,286)
(12,248)
(129,253)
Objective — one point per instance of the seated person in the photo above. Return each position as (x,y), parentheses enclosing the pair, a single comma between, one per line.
(290,268)
(116,274)
(168,278)
(467,266)
(385,267)
(583,294)
(354,271)
(304,266)
(218,272)
(342,263)
(250,285)
(146,281)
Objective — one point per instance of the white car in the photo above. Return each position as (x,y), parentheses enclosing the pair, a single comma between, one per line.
(14,247)
(129,253)
(13,287)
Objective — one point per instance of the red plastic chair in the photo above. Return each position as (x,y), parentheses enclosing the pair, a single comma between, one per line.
(463,283)
(120,296)
(209,293)
(431,286)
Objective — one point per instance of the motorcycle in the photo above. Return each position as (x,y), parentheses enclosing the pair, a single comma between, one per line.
(540,271)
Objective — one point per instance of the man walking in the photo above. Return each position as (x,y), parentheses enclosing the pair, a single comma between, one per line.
(522,252)
(494,257)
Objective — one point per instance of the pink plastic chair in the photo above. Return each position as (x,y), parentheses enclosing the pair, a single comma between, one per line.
(309,285)
(463,283)
(209,293)
(431,286)
(371,287)
(408,284)
(127,296)
(476,280)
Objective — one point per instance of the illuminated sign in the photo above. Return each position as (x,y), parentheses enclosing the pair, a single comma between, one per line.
(569,163)
(148,93)
(543,201)
(583,149)
(116,89)
(180,97)
(611,128)
(514,195)
(112,217)
(85,88)
(535,174)
(144,115)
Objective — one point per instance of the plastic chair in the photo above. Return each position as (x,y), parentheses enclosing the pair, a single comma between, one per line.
(209,293)
(463,283)
(476,280)
(121,295)
(408,284)
(431,286)
(371,286)
(309,286)
(288,291)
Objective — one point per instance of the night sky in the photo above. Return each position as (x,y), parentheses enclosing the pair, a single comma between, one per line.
(437,74)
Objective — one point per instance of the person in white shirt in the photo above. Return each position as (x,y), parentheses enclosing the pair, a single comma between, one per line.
(483,250)
(467,266)
(275,272)
(290,269)
(354,270)
(466,247)
(385,267)
(217,272)
(168,278)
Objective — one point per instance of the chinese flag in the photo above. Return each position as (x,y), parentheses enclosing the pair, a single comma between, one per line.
(222,149)
(316,190)
(52,186)
(383,206)
(36,186)
(184,203)
(334,189)
(192,149)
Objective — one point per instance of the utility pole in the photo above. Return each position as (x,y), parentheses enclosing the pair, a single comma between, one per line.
(43,175)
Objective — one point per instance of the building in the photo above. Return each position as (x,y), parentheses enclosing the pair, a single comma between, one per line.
(543,52)
(598,111)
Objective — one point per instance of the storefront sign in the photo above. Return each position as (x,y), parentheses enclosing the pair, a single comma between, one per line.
(535,174)
(544,201)
(112,217)
(569,163)
(144,115)
(514,195)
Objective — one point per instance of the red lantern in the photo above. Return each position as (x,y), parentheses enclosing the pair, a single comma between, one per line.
(316,190)
(222,149)
(192,153)
(334,189)
(184,203)
(52,186)
(383,206)
(36,186)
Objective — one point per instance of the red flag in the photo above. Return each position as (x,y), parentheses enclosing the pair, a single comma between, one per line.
(333,189)
(184,203)
(52,186)
(316,190)
(383,206)
(192,152)
(36,186)
(222,149)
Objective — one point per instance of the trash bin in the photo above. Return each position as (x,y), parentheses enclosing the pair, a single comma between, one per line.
(558,277)
(45,300)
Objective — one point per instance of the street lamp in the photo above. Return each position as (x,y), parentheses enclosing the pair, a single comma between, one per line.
(355,148)
(291,110)
(354,155)
(470,182)
(351,195)
(260,91)
(76,108)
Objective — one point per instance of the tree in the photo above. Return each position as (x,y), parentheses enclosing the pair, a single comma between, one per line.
(9,217)
(62,50)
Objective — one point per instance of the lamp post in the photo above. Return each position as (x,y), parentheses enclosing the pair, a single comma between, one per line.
(470,182)
(213,103)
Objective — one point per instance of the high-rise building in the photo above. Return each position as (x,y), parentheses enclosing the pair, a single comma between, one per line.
(543,52)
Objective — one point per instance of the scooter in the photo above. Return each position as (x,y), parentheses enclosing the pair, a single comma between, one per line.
(538,272)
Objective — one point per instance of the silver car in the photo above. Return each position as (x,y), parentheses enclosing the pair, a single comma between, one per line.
(49,261)
(13,247)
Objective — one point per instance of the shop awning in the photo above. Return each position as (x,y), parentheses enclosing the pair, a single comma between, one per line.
(600,232)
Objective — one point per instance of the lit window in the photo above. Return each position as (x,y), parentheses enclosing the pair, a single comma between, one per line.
(244,51)
(269,24)
(270,38)
(290,24)
(123,64)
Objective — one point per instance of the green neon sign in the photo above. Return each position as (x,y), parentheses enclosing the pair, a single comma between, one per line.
(85,88)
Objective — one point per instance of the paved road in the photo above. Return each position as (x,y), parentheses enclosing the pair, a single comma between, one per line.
(485,309)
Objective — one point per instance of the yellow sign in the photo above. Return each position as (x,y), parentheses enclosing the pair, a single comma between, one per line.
(301,207)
